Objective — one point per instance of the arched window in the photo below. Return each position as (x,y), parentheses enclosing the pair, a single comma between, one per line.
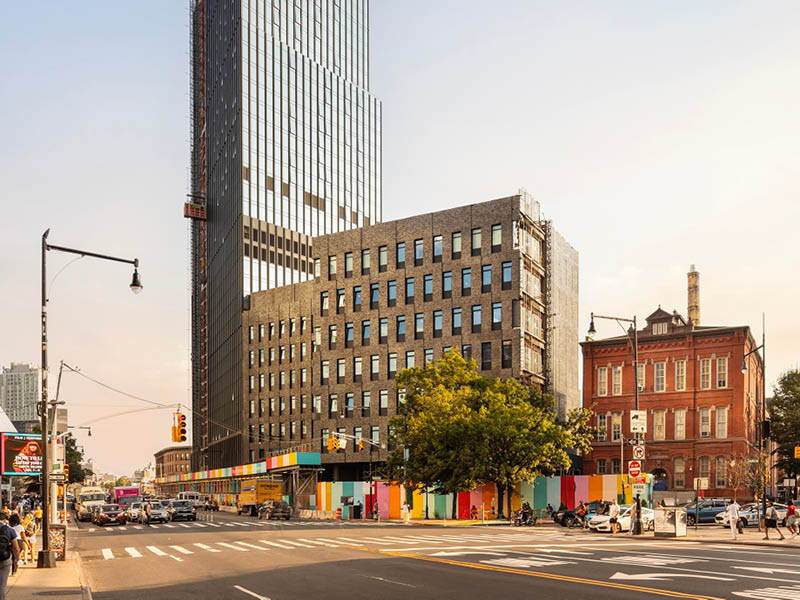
(679,473)
(704,467)
(721,472)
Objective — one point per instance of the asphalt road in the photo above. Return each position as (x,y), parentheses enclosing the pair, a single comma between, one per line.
(243,558)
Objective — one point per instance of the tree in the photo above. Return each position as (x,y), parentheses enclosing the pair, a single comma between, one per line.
(785,416)
(74,458)
(123,481)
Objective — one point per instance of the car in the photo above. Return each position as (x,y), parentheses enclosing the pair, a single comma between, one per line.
(211,504)
(133,511)
(568,518)
(109,514)
(275,509)
(159,511)
(705,511)
(602,522)
(749,513)
(181,509)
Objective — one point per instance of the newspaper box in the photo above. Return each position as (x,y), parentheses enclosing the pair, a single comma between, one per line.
(670,521)
(58,540)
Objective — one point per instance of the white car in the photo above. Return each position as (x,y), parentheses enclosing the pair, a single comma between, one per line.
(601,522)
(133,511)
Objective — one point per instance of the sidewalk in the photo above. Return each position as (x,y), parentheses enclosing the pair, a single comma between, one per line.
(63,581)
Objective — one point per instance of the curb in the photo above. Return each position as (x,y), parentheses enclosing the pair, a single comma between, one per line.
(86,591)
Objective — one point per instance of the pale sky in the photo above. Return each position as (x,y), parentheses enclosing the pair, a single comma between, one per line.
(654,134)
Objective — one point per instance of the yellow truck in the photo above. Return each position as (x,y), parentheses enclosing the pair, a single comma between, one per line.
(254,492)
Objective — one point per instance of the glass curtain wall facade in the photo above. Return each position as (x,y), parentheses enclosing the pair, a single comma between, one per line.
(286,145)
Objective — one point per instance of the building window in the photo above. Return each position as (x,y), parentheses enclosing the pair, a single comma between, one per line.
(383,330)
(705,422)
(497,237)
(356,298)
(252,383)
(391,293)
(722,372)
(401,328)
(486,356)
(419,252)
(357,434)
(659,328)
(680,375)
(357,368)
(250,333)
(365,261)
(660,377)
(349,404)
(602,381)
(365,332)
(679,473)
(316,404)
(640,376)
(349,336)
(601,466)
(331,267)
(401,255)
(409,359)
(703,467)
(333,406)
(332,338)
(409,290)
(659,425)
(366,400)
(419,325)
(722,421)
(428,356)
(340,370)
(506,275)
(374,295)
(340,301)
(374,434)
(507,354)
(382,258)
(476,241)
(497,315)
(602,428)
(392,364)
(680,423)
(325,435)
(383,402)
(437,323)
(616,380)
(705,373)
(466,282)
(476,318)
(486,278)
(455,245)
(616,427)
(466,352)
(615,466)
(447,284)
(721,471)
(437,248)
(427,288)
(375,366)
(316,268)
(348,264)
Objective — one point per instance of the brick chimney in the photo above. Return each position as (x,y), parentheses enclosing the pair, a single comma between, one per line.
(694,297)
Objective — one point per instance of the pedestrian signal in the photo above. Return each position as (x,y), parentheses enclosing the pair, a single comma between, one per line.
(179,428)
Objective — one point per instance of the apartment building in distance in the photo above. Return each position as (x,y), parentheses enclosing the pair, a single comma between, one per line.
(19,394)
(172,460)
(320,357)
(702,410)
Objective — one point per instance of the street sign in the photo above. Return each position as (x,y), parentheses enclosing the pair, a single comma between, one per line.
(640,490)
(797,451)
(57,477)
(701,483)
(58,467)
(634,468)
(638,421)
(638,452)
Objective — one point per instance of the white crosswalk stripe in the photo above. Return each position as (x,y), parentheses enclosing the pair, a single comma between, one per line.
(231,546)
(181,549)
(133,552)
(295,543)
(156,551)
(108,554)
(207,547)
(319,542)
(183,525)
(168,525)
(137,526)
(123,528)
(276,544)
(252,546)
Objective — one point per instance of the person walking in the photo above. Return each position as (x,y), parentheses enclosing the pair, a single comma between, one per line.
(733,517)
(148,509)
(9,555)
(15,524)
(406,513)
(581,512)
(30,534)
(613,515)
(38,515)
(771,521)
(791,518)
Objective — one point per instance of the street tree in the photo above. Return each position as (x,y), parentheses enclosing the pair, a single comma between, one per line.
(74,458)
(785,416)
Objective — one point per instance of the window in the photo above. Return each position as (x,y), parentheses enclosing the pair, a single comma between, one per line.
(679,473)
(365,333)
(659,377)
(427,288)
(317,338)
(497,237)
(616,380)
(602,381)
(250,333)
(466,281)
(497,315)
(365,261)
(476,241)
(391,293)
(316,404)
(400,400)
(383,402)
(401,328)
(437,248)
(640,376)
(401,255)
(260,382)
(410,360)
(722,372)
(486,278)
(340,301)
(456,321)
(349,404)
(447,284)
(323,302)
(680,423)
(409,290)
(332,337)
(316,268)
(348,264)
(374,295)
(602,427)
(356,368)
(340,371)
(252,384)
(366,400)
(374,366)
(331,267)
(418,252)
(428,355)
(507,354)
(357,433)
(251,360)
(466,352)
(419,325)
(374,434)
(325,435)
(722,421)
(680,375)
(705,373)
(486,356)
(383,330)
(721,472)
(660,328)
(616,427)
(615,466)
(506,275)
(333,406)
(392,364)
(348,335)
(382,258)
(601,466)
(476,318)
(659,424)
(303,377)
(705,422)
(703,467)
(437,323)
(455,245)
(357,298)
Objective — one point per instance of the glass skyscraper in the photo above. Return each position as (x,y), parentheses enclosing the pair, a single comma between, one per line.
(286,145)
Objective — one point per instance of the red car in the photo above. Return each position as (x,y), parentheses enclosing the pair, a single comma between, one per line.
(109,514)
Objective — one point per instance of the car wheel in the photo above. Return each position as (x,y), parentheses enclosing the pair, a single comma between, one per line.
(690,519)
(568,521)
(617,528)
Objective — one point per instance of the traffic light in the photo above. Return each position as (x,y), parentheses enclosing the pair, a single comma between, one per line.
(66,473)
(333,443)
(360,445)
(181,428)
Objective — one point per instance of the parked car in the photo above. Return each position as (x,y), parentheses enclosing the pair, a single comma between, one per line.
(109,514)
(602,522)
(181,509)
(705,511)
(568,518)
(748,515)
(275,509)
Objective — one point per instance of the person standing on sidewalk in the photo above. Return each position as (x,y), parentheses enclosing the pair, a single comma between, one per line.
(733,517)
(613,514)
(771,520)
(9,555)
(406,513)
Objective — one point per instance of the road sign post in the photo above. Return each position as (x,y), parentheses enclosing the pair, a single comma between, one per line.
(638,452)
(634,468)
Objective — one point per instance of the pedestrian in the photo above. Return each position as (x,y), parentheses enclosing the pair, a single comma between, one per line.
(613,514)
(473,512)
(549,510)
(147,511)
(581,512)
(405,512)
(38,515)
(733,517)
(9,555)
(17,526)
(791,518)
(30,534)
(771,520)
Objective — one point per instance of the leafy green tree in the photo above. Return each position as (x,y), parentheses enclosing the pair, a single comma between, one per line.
(74,458)
(123,481)
(785,416)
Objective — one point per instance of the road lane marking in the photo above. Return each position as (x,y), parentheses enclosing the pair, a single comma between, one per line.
(91,529)
(387,580)
(785,591)
(181,549)
(229,524)
(378,541)
(156,551)
(154,526)
(170,526)
(295,543)
(137,526)
(183,525)
(108,554)
(123,528)
(175,558)
(276,544)
(231,546)
(213,524)
(196,524)
(662,576)
(253,594)
(207,547)
(250,545)
(133,552)
(319,543)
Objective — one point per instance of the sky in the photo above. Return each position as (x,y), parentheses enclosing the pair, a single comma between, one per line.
(654,134)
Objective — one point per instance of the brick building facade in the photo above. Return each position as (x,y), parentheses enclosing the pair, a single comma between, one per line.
(702,411)
(321,356)
(173,460)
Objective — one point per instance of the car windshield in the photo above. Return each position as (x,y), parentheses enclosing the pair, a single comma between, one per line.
(110,507)
(92,497)
(181,504)
(136,505)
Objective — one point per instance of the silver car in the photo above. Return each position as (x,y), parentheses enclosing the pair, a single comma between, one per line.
(133,511)
(158,512)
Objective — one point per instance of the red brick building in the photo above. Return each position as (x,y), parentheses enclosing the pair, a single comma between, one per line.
(702,411)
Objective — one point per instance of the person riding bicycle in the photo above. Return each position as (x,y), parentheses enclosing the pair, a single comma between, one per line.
(581,512)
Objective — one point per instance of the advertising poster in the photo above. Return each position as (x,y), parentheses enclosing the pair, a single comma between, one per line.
(22,454)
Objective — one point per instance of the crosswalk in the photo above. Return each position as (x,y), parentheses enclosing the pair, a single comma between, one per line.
(223,524)
(179,551)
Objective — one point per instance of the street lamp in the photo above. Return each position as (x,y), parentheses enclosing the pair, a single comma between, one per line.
(637,525)
(46,557)
(762,430)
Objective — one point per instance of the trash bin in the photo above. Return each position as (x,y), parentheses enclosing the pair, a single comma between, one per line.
(58,540)
(670,521)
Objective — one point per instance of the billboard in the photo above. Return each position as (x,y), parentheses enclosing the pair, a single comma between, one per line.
(22,453)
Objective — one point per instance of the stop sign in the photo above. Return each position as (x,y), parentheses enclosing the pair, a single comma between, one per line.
(634,468)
